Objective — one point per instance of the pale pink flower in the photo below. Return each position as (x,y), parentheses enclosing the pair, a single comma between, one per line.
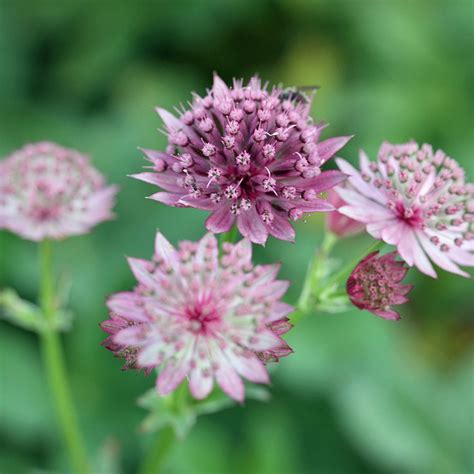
(338,223)
(247,154)
(375,284)
(199,316)
(416,200)
(51,192)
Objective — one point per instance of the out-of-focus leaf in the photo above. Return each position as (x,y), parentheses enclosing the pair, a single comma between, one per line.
(29,316)
(391,424)
(20,312)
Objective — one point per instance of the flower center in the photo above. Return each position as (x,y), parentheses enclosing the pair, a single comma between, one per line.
(377,285)
(202,314)
(412,215)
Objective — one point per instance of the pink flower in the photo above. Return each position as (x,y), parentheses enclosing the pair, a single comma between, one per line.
(416,200)
(374,284)
(338,223)
(51,192)
(248,155)
(112,326)
(199,316)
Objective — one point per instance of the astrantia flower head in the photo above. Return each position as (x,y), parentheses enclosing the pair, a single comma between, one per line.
(248,154)
(199,316)
(417,200)
(375,284)
(51,192)
(338,223)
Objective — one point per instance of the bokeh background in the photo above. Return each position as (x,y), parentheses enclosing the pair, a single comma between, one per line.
(360,395)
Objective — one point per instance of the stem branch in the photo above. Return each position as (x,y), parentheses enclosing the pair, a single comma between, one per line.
(315,275)
(342,274)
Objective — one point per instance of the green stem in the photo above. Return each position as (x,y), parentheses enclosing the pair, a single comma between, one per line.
(158,451)
(230,236)
(313,276)
(166,437)
(55,367)
(342,274)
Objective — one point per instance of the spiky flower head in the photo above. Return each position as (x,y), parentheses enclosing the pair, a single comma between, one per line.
(338,223)
(51,192)
(248,154)
(199,316)
(418,201)
(375,284)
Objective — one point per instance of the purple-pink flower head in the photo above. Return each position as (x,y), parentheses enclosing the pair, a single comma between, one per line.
(51,192)
(375,284)
(199,316)
(418,201)
(338,223)
(248,154)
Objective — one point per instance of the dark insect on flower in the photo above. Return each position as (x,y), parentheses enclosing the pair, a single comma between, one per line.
(247,155)
(299,95)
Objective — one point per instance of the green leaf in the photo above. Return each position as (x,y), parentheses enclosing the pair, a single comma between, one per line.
(164,411)
(180,411)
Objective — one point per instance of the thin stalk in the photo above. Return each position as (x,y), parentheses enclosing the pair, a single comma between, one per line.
(55,367)
(342,274)
(166,437)
(313,275)
(158,451)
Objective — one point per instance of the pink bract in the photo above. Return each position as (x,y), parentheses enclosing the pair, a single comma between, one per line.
(338,223)
(418,201)
(51,192)
(375,284)
(248,154)
(197,315)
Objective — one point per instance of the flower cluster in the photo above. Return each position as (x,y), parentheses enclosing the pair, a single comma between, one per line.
(197,315)
(375,284)
(51,192)
(248,154)
(417,200)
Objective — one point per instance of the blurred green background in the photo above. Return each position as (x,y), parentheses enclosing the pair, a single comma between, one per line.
(360,395)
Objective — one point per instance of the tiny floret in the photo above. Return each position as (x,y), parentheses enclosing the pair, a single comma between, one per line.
(417,200)
(51,192)
(252,149)
(375,284)
(199,316)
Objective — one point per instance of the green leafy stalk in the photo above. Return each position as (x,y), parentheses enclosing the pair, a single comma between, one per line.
(165,438)
(55,367)
(316,288)
(313,277)
(341,275)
